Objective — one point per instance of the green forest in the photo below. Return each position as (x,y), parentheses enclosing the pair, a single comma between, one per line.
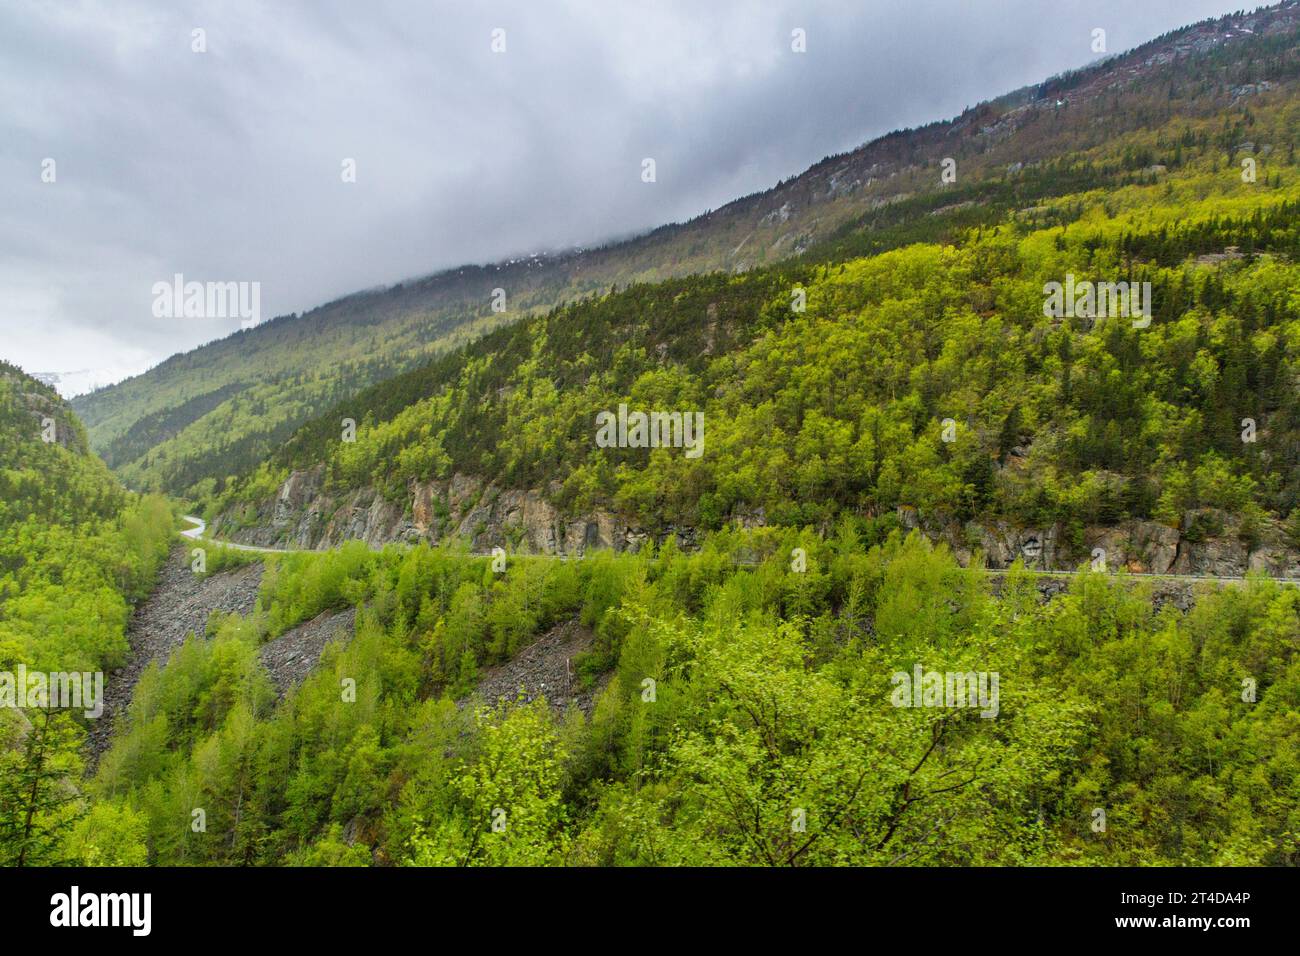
(839,408)
(76,552)
(777,687)
(1040,156)
(744,718)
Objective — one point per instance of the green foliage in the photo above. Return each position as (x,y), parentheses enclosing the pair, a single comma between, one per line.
(110,835)
(837,410)
(1153,129)
(744,715)
(76,550)
(745,709)
(38,760)
(508,810)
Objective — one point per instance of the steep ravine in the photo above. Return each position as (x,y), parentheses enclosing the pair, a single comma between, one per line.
(180,605)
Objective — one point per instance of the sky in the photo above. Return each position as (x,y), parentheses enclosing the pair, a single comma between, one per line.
(134,149)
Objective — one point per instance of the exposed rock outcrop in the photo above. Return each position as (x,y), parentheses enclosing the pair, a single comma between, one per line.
(1139,546)
(51,418)
(1178,594)
(303,514)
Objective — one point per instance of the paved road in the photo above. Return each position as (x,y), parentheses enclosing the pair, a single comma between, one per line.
(200,526)
(1214,579)
(196,534)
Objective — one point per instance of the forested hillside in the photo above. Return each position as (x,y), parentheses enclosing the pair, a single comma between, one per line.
(76,550)
(779,645)
(744,705)
(825,388)
(745,713)
(221,409)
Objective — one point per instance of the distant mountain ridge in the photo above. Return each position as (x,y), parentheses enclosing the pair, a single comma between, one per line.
(200,417)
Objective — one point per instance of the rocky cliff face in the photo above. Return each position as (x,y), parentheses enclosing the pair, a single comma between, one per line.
(465,508)
(1145,547)
(46,408)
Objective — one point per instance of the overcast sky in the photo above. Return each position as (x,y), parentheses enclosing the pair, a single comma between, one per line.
(226,165)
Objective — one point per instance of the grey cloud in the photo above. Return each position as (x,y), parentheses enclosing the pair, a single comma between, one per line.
(225,165)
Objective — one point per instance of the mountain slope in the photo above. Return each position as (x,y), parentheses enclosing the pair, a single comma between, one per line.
(200,417)
(75,547)
(809,683)
(923,385)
